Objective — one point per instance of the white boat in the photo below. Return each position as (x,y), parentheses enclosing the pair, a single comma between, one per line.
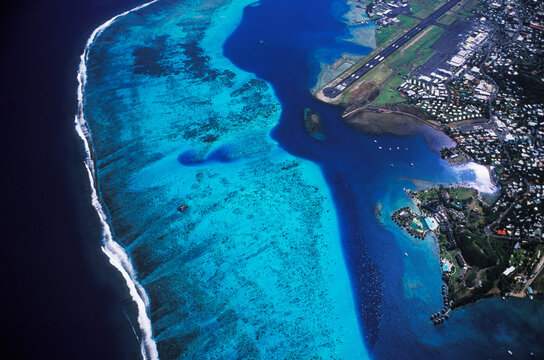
(405,254)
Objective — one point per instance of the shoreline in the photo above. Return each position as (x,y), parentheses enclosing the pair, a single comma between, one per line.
(345,324)
(493,293)
(387,111)
(400,120)
(374,119)
(524,295)
(117,255)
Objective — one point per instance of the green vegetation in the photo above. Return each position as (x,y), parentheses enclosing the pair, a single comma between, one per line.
(447,19)
(389,34)
(486,257)
(524,259)
(388,74)
(473,6)
(462,194)
(423,8)
(475,249)
(538,283)
(388,94)
(415,52)
(463,10)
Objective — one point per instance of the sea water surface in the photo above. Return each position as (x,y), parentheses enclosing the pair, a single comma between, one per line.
(280,253)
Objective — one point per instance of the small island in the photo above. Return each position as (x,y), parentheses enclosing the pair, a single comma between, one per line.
(313,125)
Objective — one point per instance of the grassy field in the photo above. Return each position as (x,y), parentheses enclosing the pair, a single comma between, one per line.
(384,37)
(423,8)
(389,95)
(416,50)
(538,283)
(462,193)
(388,75)
(447,19)
(462,11)
(471,5)
(389,34)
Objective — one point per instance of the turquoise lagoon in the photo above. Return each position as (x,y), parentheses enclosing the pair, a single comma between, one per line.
(280,254)
(254,267)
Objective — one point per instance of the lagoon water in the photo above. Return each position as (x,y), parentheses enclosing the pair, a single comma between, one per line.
(280,254)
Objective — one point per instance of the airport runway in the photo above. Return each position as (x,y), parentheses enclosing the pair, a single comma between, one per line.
(332,92)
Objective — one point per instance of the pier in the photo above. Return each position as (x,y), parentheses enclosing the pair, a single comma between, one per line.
(444,314)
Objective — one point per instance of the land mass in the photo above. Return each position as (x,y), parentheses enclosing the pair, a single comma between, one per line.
(472,70)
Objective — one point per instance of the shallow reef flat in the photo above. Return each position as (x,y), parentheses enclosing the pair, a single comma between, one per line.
(254,267)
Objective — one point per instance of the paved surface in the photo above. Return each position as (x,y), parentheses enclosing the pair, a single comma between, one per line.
(332,92)
(444,50)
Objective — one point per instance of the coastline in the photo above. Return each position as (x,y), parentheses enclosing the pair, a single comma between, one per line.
(118,257)
(225,317)
(391,110)
(402,120)
(523,295)
(397,121)
(218,193)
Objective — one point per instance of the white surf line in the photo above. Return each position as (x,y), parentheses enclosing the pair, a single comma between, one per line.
(118,257)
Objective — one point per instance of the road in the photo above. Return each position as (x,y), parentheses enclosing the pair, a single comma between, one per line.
(536,272)
(332,92)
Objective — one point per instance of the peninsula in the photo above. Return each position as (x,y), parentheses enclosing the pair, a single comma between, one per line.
(472,69)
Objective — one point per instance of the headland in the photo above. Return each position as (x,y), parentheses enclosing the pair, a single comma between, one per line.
(451,65)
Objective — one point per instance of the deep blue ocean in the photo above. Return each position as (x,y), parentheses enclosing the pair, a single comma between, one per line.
(62,298)
(280,41)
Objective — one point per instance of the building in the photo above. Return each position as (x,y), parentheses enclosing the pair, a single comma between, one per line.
(460,260)
(509,271)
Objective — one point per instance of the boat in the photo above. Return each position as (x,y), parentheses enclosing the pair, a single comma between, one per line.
(183,207)
(405,254)
(411,164)
(379,147)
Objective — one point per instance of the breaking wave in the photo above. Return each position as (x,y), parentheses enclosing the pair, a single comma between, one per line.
(476,176)
(118,257)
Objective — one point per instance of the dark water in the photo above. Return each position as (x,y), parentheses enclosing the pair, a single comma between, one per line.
(279,41)
(60,297)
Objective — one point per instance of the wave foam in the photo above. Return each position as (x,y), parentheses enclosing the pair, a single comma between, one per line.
(118,257)
(476,176)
